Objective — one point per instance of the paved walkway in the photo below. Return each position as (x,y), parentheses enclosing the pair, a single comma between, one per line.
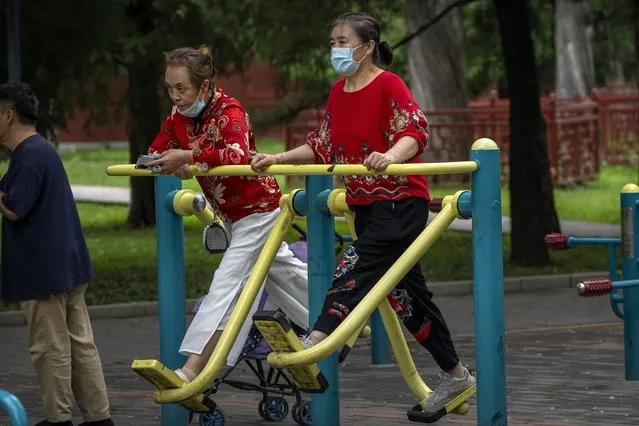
(565,367)
(102,194)
(122,196)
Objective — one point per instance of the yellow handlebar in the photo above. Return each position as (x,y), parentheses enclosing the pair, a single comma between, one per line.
(454,167)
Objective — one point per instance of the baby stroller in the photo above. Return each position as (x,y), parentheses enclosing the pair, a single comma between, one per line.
(273,383)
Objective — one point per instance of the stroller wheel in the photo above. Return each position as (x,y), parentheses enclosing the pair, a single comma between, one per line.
(212,418)
(302,413)
(261,408)
(273,408)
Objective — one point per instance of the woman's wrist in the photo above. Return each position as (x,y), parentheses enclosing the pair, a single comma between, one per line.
(188,156)
(281,158)
(393,157)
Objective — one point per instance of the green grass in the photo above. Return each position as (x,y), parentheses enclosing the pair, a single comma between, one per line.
(595,201)
(124,260)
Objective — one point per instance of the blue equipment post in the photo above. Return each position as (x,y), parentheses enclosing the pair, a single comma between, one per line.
(489,285)
(171,287)
(321,268)
(630,271)
(14,408)
(381,351)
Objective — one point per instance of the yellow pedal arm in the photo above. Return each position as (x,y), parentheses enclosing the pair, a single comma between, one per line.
(402,353)
(239,315)
(457,404)
(164,378)
(362,332)
(384,286)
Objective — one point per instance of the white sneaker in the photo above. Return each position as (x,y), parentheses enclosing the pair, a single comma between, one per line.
(446,390)
(182,375)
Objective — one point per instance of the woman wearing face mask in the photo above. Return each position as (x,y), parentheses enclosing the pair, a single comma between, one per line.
(209,128)
(372,119)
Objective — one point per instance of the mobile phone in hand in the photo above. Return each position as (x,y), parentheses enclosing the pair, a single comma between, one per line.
(144,159)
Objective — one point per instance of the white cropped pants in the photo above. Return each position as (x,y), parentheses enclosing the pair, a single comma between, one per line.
(286,284)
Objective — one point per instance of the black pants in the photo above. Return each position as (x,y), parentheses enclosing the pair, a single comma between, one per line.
(384,231)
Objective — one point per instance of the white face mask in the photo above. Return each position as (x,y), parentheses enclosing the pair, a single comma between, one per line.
(342,60)
(195,109)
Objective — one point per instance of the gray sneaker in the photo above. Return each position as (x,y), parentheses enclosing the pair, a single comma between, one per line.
(446,390)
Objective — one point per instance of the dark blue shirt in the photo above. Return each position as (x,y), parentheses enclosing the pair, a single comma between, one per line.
(43,252)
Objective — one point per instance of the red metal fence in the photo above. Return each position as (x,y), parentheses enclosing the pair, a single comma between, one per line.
(582,134)
(619,127)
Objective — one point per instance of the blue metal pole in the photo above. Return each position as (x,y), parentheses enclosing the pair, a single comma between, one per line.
(630,271)
(171,287)
(579,241)
(321,268)
(612,261)
(13,40)
(381,351)
(625,284)
(14,408)
(616,299)
(488,273)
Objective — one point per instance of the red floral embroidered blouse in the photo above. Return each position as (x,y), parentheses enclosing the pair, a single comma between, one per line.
(355,124)
(222,136)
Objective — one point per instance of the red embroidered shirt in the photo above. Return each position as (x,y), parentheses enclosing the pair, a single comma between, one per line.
(355,124)
(222,136)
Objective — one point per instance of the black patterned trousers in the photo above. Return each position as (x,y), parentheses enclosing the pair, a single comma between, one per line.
(384,230)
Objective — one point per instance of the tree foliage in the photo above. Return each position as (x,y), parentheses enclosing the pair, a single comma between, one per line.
(484,56)
(614,42)
(297,45)
(72,54)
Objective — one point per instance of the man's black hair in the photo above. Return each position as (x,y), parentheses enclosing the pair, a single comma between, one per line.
(20,98)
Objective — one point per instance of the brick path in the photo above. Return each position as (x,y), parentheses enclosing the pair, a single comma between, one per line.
(558,373)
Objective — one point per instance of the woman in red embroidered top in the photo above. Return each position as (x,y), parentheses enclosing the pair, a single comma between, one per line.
(208,128)
(372,119)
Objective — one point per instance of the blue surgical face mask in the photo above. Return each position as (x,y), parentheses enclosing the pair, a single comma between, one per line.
(342,60)
(195,109)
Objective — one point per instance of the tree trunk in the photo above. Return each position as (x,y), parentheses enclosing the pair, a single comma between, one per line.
(144,111)
(574,31)
(533,212)
(615,72)
(144,124)
(436,64)
(635,9)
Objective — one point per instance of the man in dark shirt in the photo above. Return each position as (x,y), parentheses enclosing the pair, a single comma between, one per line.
(46,265)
